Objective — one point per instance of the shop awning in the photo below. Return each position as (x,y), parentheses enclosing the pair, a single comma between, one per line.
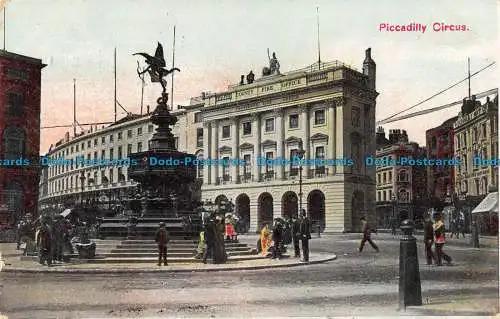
(66,212)
(488,205)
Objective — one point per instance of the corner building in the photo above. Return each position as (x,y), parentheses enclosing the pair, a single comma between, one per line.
(328,108)
(20,78)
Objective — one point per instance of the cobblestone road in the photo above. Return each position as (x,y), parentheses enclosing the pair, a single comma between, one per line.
(354,284)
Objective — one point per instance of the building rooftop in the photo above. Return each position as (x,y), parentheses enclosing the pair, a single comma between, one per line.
(19,57)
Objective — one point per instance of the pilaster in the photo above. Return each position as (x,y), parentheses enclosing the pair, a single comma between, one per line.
(280,140)
(256,146)
(235,134)
(215,151)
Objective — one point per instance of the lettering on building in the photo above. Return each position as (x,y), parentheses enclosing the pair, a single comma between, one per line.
(266,88)
(291,83)
(244,93)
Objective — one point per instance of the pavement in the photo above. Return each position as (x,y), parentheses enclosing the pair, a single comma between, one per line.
(355,284)
(10,261)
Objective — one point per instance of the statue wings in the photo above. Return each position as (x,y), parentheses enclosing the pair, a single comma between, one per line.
(157,61)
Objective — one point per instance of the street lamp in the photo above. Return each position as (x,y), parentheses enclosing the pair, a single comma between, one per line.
(82,182)
(393,218)
(300,154)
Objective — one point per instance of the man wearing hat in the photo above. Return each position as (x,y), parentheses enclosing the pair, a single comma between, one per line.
(162,238)
(44,242)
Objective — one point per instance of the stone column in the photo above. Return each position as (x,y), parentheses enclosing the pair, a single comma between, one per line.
(206,153)
(305,125)
(256,147)
(339,132)
(280,132)
(331,135)
(235,135)
(215,151)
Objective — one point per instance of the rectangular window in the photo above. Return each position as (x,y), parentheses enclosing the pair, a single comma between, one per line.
(103,154)
(120,136)
(121,178)
(293,121)
(83,146)
(72,149)
(247,168)
(129,149)
(385,194)
(95,155)
(320,155)
(269,125)
(129,134)
(319,117)
(77,148)
(111,175)
(88,157)
(269,168)
(294,167)
(103,140)
(139,147)
(120,154)
(390,177)
(111,153)
(95,142)
(197,117)
(104,180)
(384,178)
(199,137)
(225,169)
(139,131)
(150,128)
(247,128)
(89,144)
(226,131)
(111,138)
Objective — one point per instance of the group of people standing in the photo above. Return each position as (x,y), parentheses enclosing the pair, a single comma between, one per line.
(435,235)
(297,230)
(53,238)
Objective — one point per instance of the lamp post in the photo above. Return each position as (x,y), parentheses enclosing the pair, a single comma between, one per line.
(300,154)
(393,216)
(82,182)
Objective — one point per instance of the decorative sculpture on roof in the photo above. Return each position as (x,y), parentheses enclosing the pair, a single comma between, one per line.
(274,66)
(250,77)
(156,67)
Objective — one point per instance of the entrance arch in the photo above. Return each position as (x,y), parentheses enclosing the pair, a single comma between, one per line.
(316,208)
(242,207)
(265,210)
(358,209)
(289,204)
(13,198)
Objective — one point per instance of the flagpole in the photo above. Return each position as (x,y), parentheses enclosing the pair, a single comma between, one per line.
(172,85)
(4,23)
(319,48)
(74,107)
(115,83)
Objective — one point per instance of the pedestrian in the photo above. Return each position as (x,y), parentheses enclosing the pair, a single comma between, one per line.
(428,240)
(366,235)
(20,229)
(295,235)
(394,226)
(162,238)
(45,243)
(277,239)
(210,233)
(304,234)
(439,234)
(58,238)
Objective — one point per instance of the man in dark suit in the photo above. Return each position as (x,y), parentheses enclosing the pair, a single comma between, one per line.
(366,235)
(210,232)
(295,235)
(162,238)
(305,234)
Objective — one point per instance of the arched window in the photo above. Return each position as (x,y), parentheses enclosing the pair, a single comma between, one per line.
(15,104)
(14,143)
(404,196)
(403,176)
(13,197)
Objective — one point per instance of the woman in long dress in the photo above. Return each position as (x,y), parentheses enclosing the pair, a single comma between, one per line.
(265,239)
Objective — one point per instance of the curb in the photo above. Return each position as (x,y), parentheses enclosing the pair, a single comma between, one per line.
(164,271)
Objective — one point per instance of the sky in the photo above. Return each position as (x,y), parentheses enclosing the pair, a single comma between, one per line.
(217,41)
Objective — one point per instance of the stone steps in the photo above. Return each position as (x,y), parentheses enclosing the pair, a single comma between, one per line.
(173,250)
(190,254)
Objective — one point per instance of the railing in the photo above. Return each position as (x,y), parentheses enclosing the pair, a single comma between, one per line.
(267,176)
(318,172)
(246,178)
(291,175)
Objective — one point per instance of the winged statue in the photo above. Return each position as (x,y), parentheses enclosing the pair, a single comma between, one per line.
(156,67)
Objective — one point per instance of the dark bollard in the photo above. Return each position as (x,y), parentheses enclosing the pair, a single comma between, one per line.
(410,291)
(319,230)
(474,235)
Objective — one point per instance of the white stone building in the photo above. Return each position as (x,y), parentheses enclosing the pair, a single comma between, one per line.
(328,109)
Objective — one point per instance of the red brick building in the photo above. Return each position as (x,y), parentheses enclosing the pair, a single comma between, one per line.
(20,78)
(440,179)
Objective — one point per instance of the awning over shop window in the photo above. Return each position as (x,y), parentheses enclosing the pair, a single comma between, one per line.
(488,205)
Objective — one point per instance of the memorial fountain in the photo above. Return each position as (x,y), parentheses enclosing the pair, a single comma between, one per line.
(168,188)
